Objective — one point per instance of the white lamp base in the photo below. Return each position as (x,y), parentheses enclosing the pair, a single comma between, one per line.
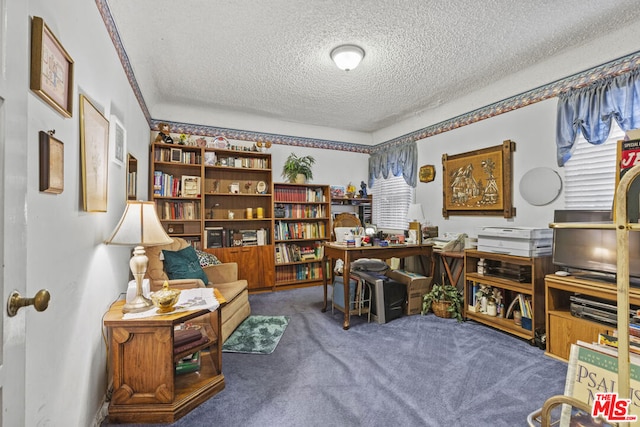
(138,265)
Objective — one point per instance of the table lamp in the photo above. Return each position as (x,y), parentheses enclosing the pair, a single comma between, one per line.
(415,217)
(139,226)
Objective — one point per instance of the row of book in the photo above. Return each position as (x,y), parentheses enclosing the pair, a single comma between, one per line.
(299,194)
(302,211)
(289,273)
(241,162)
(185,339)
(220,237)
(299,230)
(177,155)
(287,252)
(185,210)
(166,185)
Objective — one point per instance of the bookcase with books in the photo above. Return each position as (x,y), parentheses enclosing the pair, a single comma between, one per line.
(514,283)
(237,217)
(302,225)
(176,178)
(220,200)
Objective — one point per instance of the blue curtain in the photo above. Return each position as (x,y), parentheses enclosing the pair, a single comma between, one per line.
(395,159)
(590,110)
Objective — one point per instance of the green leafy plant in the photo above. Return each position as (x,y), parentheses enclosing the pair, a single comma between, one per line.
(295,166)
(447,293)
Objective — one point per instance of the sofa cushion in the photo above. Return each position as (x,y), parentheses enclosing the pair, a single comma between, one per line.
(206,259)
(183,264)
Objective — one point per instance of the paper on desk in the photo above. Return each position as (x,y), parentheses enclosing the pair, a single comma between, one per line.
(190,299)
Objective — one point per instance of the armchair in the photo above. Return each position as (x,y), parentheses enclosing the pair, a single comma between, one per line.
(223,277)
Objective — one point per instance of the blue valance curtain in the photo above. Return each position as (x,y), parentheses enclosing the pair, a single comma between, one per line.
(395,159)
(590,110)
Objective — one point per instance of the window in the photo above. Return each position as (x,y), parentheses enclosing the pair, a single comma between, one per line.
(391,200)
(590,173)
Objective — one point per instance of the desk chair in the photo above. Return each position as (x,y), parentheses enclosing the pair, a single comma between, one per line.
(345,220)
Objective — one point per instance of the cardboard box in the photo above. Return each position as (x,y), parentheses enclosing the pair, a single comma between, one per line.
(417,286)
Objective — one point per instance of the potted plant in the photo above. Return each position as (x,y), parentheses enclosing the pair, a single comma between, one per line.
(444,300)
(298,169)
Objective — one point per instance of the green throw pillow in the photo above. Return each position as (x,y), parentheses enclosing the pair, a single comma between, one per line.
(183,264)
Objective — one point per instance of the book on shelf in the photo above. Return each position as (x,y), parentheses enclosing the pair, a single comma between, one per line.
(187,364)
(192,344)
(611,340)
(213,237)
(592,369)
(185,336)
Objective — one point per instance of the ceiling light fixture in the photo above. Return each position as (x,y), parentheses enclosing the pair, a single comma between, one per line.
(347,57)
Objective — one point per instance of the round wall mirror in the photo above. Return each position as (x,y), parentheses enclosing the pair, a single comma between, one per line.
(540,186)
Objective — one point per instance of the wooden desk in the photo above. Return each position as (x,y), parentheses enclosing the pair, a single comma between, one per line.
(334,251)
(453,264)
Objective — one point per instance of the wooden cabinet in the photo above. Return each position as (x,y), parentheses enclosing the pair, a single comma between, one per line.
(517,278)
(142,360)
(255,264)
(301,227)
(563,329)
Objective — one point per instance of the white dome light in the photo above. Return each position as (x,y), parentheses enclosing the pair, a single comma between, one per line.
(347,57)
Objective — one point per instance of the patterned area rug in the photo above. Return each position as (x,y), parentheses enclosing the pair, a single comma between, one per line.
(257,335)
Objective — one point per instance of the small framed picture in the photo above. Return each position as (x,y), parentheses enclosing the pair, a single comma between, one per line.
(190,186)
(234,188)
(51,69)
(176,155)
(118,137)
(51,164)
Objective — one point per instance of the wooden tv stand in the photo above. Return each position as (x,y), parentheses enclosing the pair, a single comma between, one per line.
(563,329)
(146,388)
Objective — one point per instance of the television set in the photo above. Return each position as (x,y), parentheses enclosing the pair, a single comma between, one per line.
(592,253)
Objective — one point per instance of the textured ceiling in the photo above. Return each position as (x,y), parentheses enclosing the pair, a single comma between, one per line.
(271,58)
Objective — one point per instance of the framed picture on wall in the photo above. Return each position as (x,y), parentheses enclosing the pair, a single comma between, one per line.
(51,163)
(94,153)
(118,141)
(479,182)
(51,69)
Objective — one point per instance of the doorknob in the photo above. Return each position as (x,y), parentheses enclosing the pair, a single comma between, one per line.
(40,302)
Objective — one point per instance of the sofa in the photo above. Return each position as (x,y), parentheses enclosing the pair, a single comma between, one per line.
(223,277)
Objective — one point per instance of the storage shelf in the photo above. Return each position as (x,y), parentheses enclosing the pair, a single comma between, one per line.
(531,287)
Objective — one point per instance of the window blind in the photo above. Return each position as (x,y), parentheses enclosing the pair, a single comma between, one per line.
(590,173)
(391,200)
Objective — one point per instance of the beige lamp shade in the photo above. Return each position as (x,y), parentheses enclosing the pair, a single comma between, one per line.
(139,225)
(415,212)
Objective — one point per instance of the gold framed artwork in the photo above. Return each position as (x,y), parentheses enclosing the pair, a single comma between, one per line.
(94,153)
(427,173)
(51,75)
(479,182)
(51,163)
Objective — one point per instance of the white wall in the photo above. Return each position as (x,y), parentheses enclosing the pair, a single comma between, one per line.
(533,130)
(66,355)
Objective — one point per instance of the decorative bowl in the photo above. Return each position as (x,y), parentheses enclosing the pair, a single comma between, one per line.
(166,298)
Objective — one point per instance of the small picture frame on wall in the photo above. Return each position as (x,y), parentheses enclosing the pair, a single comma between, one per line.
(118,137)
(51,163)
(51,75)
